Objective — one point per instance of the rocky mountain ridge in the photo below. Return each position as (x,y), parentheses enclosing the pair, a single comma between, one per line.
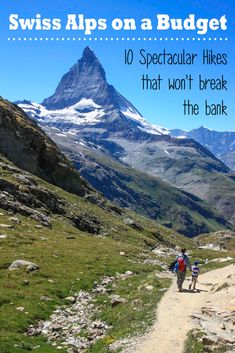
(220,143)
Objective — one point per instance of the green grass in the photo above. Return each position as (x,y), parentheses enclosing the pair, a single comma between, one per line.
(136,315)
(139,311)
(193,343)
(66,266)
(70,265)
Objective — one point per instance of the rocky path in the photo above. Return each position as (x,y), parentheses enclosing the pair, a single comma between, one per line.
(175,313)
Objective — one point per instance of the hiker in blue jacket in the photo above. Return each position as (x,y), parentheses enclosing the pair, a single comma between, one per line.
(182,262)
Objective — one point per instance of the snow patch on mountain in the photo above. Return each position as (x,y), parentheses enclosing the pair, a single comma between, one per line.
(145,126)
(85,112)
(85,103)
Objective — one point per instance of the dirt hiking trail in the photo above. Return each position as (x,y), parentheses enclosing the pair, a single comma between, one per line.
(173,317)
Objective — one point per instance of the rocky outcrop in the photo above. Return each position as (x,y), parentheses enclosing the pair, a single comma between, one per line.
(87,223)
(131,223)
(220,240)
(216,319)
(21,193)
(28,147)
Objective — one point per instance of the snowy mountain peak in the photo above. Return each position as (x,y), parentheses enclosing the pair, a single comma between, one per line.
(84,97)
(86,79)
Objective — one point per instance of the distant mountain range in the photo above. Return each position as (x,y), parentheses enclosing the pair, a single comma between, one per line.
(221,144)
(86,113)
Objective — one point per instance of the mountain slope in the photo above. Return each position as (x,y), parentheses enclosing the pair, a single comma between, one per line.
(220,143)
(102,117)
(23,142)
(139,191)
(86,79)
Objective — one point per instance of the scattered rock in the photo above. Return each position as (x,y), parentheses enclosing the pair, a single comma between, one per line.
(208,341)
(71,299)
(117,300)
(20,308)
(222,326)
(126,275)
(3,236)
(122,253)
(22,263)
(6,226)
(44,298)
(67,321)
(129,222)
(24,179)
(162,289)
(96,199)
(210,247)
(164,251)
(14,220)
(87,223)
(149,288)
(116,209)
(211,321)
(102,286)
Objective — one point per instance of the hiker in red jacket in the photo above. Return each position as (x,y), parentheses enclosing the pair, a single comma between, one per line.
(182,262)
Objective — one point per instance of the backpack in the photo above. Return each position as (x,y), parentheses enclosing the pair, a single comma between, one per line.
(171,267)
(181,264)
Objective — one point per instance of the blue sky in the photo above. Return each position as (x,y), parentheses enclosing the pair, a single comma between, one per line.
(32,69)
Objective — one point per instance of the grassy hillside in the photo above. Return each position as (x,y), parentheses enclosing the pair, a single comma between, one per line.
(71,260)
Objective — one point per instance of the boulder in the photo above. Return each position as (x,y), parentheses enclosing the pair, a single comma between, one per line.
(22,263)
(14,220)
(117,300)
(6,226)
(87,223)
(129,222)
(3,236)
(71,299)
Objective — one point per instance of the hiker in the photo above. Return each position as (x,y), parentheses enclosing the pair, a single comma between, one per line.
(182,262)
(195,273)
